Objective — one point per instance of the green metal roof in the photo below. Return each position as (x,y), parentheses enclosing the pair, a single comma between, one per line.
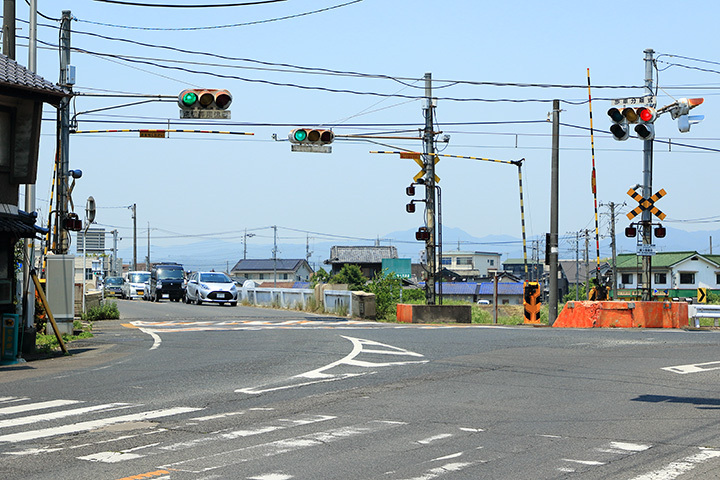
(662,259)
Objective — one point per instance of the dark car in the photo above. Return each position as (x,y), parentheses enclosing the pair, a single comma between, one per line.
(167,281)
(113,286)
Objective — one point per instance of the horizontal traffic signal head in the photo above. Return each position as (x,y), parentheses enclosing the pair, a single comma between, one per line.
(204,98)
(311,136)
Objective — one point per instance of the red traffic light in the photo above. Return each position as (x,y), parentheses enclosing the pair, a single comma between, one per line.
(647,114)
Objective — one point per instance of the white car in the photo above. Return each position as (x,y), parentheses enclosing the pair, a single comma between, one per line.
(211,287)
(134,284)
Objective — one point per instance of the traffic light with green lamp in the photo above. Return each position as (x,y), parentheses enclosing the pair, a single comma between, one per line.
(316,140)
(204,103)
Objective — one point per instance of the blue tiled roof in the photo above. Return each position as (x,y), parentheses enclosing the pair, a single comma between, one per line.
(486,288)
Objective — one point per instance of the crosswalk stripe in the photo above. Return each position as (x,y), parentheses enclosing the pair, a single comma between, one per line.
(36,406)
(14,422)
(93,424)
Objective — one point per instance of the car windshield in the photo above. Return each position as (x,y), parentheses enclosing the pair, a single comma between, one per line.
(170,274)
(139,277)
(215,278)
(114,281)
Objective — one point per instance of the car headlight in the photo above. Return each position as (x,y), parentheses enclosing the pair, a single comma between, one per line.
(159,284)
(233,288)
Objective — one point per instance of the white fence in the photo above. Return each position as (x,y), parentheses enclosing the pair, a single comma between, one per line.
(698,311)
(335,301)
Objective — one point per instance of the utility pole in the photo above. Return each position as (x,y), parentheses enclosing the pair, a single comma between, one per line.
(587,260)
(429,166)
(134,217)
(275,250)
(554,213)
(61,235)
(115,259)
(30,205)
(577,266)
(147,263)
(613,246)
(647,188)
(9,28)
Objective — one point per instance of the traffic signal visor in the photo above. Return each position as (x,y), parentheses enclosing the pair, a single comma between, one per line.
(204,98)
(619,128)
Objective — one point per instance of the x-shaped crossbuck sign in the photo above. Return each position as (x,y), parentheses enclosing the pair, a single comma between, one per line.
(646,204)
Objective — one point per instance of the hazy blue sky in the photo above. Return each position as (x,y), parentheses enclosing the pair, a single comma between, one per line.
(191,187)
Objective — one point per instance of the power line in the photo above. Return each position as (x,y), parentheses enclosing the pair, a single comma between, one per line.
(173,5)
(215,27)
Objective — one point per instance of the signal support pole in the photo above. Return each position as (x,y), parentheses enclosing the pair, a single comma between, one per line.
(61,239)
(647,189)
(429,163)
(554,213)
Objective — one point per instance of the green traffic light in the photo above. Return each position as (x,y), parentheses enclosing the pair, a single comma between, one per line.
(300,135)
(189,99)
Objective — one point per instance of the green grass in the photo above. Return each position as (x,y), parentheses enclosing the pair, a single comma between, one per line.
(49,343)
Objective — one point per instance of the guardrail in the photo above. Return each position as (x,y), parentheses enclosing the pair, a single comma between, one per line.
(698,311)
(335,301)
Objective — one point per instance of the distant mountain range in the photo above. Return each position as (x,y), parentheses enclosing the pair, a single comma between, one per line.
(221,255)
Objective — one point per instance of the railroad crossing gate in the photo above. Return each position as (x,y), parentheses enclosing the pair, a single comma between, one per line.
(646,204)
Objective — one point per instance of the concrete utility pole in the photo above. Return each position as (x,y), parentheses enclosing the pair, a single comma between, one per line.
(577,266)
(647,189)
(61,239)
(613,246)
(30,187)
(554,213)
(115,248)
(134,217)
(9,28)
(429,165)
(275,250)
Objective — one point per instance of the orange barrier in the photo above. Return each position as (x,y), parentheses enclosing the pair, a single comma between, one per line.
(404,313)
(623,315)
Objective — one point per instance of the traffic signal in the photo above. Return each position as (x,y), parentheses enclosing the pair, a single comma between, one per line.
(311,136)
(423,234)
(531,302)
(619,128)
(204,103)
(680,112)
(646,128)
(72,222)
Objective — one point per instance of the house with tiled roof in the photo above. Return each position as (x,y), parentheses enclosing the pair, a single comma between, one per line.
(264,270)
(369,259)
(674,274)
(22,95)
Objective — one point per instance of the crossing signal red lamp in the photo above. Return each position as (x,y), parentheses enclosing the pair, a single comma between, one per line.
(660,231)
(422,235)
(646,128)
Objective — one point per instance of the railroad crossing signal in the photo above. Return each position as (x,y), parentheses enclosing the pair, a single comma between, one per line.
(204,103)
(646,204)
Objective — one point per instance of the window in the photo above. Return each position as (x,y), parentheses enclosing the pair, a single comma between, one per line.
(446,261)
(661,278)
(261,276)
(285,276)
(464,261)
(687,278)
(717,278)
(491,262)
(627,278)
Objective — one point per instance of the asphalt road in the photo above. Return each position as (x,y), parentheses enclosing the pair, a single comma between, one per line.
(174,391)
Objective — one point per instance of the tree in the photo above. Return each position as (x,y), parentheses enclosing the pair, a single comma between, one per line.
(387,288)
(321,276)
(352,276)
